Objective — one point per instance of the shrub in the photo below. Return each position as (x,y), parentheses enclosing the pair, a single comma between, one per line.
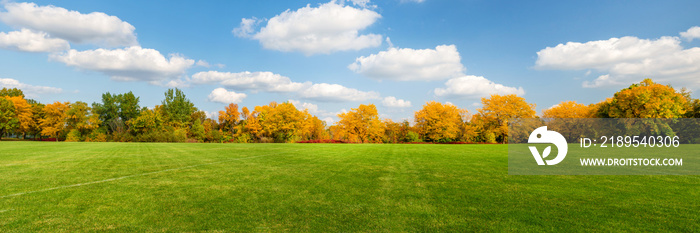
(73,136)
(96,137)
(412,137)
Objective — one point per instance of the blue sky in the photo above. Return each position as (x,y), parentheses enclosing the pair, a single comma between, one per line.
(333,56)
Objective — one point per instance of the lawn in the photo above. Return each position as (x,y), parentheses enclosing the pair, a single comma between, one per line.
(69,187)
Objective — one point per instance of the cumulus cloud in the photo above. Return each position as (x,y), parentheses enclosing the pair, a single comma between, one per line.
(246,28)
(271,82)
(128,64)
(336,93)
(95,27)
(603,54)
(29,90)
(221,95)
(407,64)
(626,60)
(393,102)
(472,87)
(692,33)
(29,41)
(313,109)
(255,81)
(328,28)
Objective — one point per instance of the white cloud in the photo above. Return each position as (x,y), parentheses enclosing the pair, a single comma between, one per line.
(29,90)
(29,41)
(328,120)
(473,87)
(212,115)
(203,63)
(603,54)
(363,3)
(313,109)
(95,27)
(692,33)
(221,95)
(415,1)
(407,64)
(271,82)
(393,102)
(626,60)
(128,64)
(336,93)
(255,81)
(246,28)
(328,28)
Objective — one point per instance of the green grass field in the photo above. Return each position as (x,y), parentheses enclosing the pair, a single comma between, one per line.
(69,187)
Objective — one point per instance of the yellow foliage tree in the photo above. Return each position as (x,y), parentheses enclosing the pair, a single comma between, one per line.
(362,124)
(438,122)
(566,116)
(54,121)
(229,117)
(648,100)
(23,111)
(312,127)
(568,109)
(499,109)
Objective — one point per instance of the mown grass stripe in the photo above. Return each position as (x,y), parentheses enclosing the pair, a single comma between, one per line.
(129,176)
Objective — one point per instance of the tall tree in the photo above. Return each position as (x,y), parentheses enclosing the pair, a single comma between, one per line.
(362,124)
(37,115)
(177,108)
(8,116)
(229,117)
(79,117)
(648,100)
(128,106)
(24,114)
(438,122)
(54,121)
(11,92)
(498,109)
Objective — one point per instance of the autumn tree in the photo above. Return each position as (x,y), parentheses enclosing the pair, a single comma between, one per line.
(648,100)
(147,121)
(312,127)
(281,121)
(11,92)
(23,112)
(79,117)
(8,116)
(566,118)
(37,115)
(499,109)
(228,118)
(362,124)
(54,121)
(438,122)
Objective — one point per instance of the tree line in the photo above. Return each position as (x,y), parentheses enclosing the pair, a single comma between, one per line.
(120,118)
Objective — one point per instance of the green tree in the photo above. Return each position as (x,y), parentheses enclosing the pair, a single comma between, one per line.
(177,108)
(128,106)
(8,116)
(79,117)
(10,92)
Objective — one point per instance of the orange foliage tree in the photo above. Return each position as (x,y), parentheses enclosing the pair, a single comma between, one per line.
(361,124)
(438,122)
(499,109)
(54,121)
